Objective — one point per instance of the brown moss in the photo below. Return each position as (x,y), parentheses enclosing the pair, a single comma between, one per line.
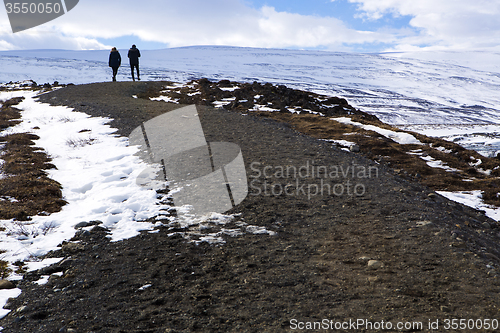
(402,159)
(5,271)
(26,189)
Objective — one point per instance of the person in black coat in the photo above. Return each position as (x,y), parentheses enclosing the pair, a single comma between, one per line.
(115,60)
(134,55)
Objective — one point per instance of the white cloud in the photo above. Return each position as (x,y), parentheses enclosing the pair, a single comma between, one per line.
(188,22)
(43,37)
(454,24)
(45,40)
(435,23)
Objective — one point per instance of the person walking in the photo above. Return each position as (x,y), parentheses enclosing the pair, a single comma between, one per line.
(134,55)
(115,60)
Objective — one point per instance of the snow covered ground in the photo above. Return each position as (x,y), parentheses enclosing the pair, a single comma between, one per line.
(427,88)
(96,189)
(449,95)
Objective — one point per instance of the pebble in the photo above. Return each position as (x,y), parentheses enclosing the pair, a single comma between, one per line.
(445,308)
(423,223)
(460,245)
(19,319)
(49,270)
(72,247)
(68,262)
(375,264)
(53,278)
(486,225)
(21,309)
(86,224)
(354,148)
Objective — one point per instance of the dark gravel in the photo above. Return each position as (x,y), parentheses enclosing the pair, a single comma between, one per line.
(432,253)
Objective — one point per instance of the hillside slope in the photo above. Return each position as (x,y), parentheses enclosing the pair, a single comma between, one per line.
(396,252)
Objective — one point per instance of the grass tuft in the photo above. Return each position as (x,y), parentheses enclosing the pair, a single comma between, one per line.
(5,270)
(25,181)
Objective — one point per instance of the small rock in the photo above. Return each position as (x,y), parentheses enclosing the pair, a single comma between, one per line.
(445,308)
(86,224)
(49,270)
(66,263)
(82,233)
(432,195)
(21,309)
(375,264)
(354,148)
(486,225)
(460,245)
(423,223)
(492,256)
(53,278)
(8,304)
(6,284)
(81,225)
(72,247)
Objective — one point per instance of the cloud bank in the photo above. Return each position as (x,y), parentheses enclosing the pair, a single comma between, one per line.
(441,24)
(445,24)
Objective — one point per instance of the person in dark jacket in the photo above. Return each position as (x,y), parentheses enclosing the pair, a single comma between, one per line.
(115,60)
(134,55)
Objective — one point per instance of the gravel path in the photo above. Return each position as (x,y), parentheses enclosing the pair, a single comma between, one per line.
(388,250)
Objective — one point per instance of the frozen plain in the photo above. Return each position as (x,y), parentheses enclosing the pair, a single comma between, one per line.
(453,95)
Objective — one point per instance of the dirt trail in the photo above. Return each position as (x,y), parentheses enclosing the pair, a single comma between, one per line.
(394,251)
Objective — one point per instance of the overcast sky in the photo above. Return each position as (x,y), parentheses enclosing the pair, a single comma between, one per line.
(337,25)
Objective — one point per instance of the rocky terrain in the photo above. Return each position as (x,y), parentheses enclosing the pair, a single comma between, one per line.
(385,248)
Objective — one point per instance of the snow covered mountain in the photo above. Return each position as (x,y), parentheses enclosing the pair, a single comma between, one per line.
(453,95)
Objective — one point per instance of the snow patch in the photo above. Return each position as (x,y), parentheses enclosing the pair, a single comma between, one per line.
(399,137)
(473,199)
